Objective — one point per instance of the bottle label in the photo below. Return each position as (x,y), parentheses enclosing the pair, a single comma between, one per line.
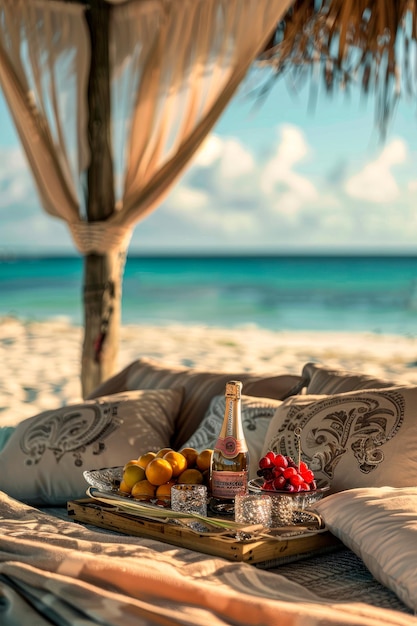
(230,447)
(228,484)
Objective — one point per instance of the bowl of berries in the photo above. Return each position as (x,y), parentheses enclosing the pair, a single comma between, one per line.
(292,487)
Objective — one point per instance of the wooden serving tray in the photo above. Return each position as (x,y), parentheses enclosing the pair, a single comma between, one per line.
(288,544)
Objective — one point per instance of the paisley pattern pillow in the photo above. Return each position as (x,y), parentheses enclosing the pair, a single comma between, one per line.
(256,416)
(357,439)
(44,459)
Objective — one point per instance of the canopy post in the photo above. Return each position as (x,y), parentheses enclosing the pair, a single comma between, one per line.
(102,311)
(103,273)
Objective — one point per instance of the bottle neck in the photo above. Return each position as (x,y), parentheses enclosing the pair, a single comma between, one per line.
(231,436)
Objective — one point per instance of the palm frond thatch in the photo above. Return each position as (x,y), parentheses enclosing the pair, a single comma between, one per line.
(369,42)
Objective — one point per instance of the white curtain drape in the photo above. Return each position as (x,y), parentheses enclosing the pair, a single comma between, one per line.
(44,60)
(175,64)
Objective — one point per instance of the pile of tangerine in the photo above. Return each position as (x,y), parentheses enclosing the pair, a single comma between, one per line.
(152,475)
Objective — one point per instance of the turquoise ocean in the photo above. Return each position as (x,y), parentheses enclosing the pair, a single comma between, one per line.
(349,293)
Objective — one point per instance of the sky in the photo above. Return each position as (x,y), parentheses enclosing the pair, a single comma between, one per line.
(276,176)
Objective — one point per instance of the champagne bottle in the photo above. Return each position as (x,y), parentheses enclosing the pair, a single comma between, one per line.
(230,460)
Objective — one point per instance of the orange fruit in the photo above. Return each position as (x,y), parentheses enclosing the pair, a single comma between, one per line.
(203,460)
(143,490)
(159,471)
(178,462)
(144,459)
(123,487)
(163,451)
(163,492)
(191,455)
(132,462)
(133,474)
(191,477)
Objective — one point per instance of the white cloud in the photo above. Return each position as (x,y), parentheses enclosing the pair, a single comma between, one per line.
(278,178)
(184,199)
(412,186)
(235,161)
(16,183)
(375,182)
(228,155)
(228,190)
(209,152)
(236,195)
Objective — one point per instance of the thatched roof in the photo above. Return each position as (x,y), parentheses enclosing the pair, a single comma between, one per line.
(369,42)
(366,42)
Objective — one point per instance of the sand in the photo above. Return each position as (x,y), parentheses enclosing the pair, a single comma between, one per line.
(41,360)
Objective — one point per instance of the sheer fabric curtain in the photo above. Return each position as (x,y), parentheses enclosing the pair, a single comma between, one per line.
(44,60)
(175,64)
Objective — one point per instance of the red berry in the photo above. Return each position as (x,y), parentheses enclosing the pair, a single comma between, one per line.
(279,483)
(308,476)
(277,471)
(268,474)
(268,485)
(289,487)
(270,455)
(305,486)
(289,471)
(296,480)
(281,461)
(303,467)
(265,462)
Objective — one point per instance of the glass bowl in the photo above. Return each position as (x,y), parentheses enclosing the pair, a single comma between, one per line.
(290,508)
(105,479)
(108,479)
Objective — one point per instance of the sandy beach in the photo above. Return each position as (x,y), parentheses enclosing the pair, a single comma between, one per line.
(41,360)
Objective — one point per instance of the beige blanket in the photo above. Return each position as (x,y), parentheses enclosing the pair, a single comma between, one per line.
(56,571)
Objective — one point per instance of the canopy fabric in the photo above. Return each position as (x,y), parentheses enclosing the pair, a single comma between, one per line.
(175,64)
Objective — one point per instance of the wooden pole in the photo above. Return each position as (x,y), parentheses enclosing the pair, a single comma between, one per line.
(102,273)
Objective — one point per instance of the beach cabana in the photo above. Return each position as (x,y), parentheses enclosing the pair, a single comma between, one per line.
(111,99)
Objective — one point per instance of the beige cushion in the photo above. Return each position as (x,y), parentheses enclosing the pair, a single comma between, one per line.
(357,439)
(44,459)
(199,389)
(256,416)
(380,526)
(320,379)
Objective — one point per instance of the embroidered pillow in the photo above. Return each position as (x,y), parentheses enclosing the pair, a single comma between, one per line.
(256,416)
(199,389)
(322,380)
(380,526)
(44,459)
(355,439)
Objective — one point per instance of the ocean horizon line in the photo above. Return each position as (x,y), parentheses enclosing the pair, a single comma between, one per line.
(276,292)
(188,255)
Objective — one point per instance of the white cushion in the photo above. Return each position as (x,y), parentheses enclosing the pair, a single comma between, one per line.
(199,388)
(256,416)
(357,439)
(380,526)
(44,459)
(320,379)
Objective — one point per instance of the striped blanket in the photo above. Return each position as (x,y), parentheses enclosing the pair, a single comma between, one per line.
(55,571)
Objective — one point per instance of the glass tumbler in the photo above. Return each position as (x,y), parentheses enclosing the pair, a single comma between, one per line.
(189,499)
(253,509)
